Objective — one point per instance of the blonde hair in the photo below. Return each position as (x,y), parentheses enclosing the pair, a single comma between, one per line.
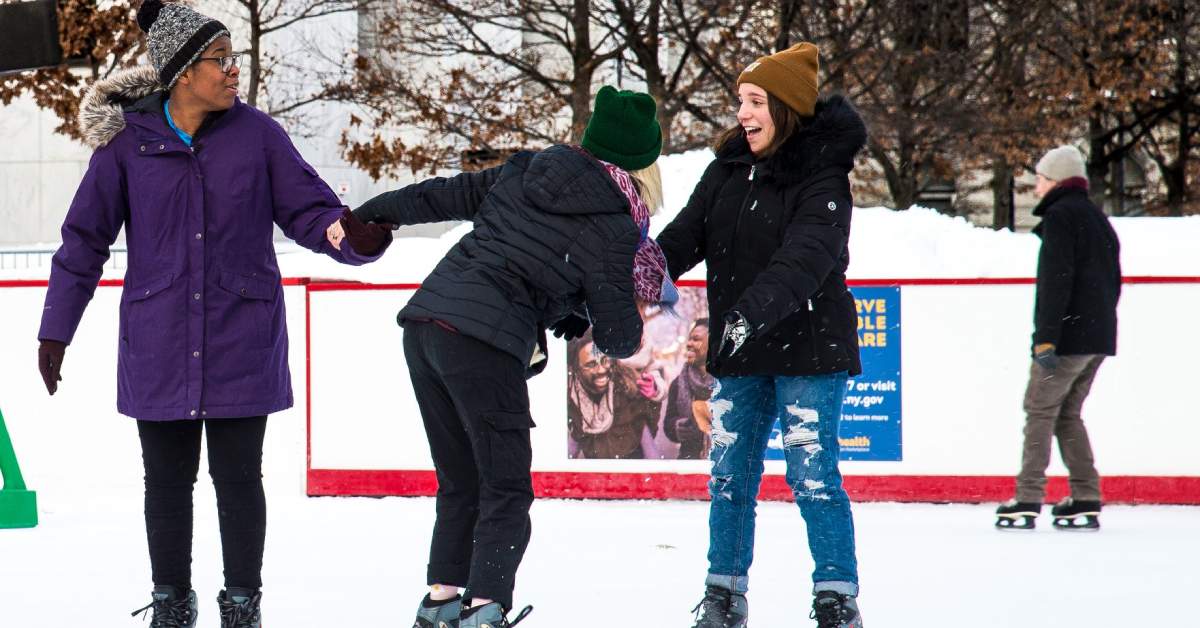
(649,185)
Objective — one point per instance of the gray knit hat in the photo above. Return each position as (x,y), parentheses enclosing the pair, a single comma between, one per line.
(177,35)
(1062,163)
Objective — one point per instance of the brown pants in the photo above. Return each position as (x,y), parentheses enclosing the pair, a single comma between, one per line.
(1053,403)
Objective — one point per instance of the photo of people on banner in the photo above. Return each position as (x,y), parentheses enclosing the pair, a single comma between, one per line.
(654,405)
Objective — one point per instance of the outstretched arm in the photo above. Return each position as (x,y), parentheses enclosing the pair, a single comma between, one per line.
(304,206)
(432,200)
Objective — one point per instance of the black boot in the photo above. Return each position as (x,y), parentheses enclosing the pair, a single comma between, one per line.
(1015,515)
(439,614)
(1076,515)
(490,615)
(835,610)
(171,608)
(721,608)
(240,608)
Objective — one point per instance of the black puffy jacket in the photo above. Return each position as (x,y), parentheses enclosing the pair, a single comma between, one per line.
(774,235)
(553,235)
(1078,276)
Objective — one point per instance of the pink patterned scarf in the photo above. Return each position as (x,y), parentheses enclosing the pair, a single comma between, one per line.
(651,280)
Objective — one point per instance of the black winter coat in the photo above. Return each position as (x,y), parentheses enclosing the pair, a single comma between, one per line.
(553,234)
(1078,276)
(774,235)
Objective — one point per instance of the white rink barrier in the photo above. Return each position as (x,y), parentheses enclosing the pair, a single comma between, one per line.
(964,364)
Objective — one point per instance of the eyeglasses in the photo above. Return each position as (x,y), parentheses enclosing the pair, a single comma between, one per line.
(227,63)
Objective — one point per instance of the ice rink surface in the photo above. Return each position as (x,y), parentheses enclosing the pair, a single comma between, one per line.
(335,562)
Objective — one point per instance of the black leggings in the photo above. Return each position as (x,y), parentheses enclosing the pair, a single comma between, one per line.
(171,455)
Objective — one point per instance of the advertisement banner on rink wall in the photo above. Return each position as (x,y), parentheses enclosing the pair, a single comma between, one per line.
(652,406)
(871,412)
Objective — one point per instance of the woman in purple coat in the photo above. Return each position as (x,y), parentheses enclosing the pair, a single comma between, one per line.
(198,180)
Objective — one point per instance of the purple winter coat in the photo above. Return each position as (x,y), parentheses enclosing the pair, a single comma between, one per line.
(202,331)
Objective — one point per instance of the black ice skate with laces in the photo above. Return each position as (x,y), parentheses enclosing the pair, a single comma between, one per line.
(1082,515)
(171,608)
(721,608)
(1015,515)
(836,610)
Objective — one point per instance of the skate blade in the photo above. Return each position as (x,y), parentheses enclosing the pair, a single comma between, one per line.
(1091,524)
(1014,524)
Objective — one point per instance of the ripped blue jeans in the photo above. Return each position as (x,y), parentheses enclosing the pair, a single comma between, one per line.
(744,411)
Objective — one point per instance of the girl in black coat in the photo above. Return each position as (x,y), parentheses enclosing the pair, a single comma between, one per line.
(771,219)
(559,241)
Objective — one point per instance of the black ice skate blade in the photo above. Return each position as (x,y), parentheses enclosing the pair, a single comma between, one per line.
(1011,524)
(1068,524)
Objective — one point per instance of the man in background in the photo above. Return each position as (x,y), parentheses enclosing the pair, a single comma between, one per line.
(1075,316)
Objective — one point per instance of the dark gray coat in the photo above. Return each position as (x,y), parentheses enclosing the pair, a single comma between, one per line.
(553,235)
(1078,276)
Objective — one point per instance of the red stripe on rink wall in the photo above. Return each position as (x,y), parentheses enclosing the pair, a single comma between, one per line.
(892,488)
(117,283)
(322,285)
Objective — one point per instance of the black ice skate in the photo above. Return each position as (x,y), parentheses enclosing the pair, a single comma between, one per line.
(240,608)
(1076,515)
(440,614)
(835,610)
(171,608)
(721,608)
(1015,515)
(490,616)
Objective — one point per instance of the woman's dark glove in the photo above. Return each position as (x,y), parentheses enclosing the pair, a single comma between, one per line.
(366,239)
(50,359)
(571,327)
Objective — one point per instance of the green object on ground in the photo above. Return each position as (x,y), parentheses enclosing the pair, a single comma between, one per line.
(18,506)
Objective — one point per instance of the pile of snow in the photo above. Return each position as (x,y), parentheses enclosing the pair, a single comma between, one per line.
(884,244)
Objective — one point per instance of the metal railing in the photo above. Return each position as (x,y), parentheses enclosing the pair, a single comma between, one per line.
(30,258)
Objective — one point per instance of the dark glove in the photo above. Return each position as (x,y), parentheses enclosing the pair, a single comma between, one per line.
(367,214)
(737,332)
(571,327)
(50,359)
(1045,356)
(366,239)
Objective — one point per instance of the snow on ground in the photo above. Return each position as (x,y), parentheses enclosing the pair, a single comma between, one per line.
(884,244)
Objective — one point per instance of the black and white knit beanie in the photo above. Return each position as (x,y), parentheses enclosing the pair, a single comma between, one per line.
(177,36)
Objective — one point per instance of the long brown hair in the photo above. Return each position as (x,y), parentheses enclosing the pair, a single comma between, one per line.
(786,120)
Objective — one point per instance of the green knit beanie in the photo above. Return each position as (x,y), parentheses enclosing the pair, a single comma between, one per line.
(623,130)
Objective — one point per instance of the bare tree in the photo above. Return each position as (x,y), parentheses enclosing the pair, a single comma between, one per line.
(913,88)
(479,74)
(1025,104)
(268,17)
(691,95)
(1175,143)
(1110,50)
